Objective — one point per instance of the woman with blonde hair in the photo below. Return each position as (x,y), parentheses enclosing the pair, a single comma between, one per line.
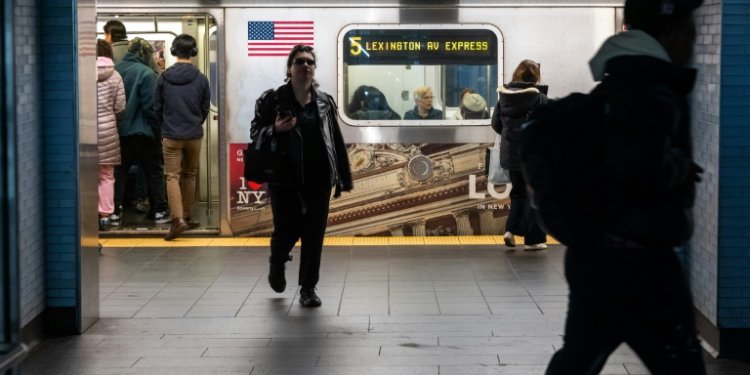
(517,100)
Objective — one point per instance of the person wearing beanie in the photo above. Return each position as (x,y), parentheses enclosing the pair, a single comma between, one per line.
(630,286)
(140,134)
(474,107)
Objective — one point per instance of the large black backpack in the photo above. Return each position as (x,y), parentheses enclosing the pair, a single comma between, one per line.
(562,147)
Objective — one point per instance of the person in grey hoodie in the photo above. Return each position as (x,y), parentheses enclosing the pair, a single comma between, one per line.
(182,102)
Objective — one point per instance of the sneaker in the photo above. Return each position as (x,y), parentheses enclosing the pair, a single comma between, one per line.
(114,220)
(509,239)
(104,224)
(162,217)
(308,298)
(535,247)
(141,205)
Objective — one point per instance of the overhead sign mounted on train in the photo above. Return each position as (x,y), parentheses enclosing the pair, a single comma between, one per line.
(420,47)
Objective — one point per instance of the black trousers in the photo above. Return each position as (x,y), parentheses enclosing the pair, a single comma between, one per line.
(635,296)
(521,220)
(148,154)
(300,213)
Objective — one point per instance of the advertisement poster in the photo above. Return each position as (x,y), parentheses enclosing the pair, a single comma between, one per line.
(399,190)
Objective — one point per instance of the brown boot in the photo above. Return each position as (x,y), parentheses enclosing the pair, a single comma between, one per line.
(178,226)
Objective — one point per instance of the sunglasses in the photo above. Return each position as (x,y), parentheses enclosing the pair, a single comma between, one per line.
(309,62)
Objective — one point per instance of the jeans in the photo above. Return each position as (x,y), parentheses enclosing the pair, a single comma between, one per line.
(148,154)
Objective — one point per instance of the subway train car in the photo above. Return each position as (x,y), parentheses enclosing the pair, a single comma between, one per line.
(412,177)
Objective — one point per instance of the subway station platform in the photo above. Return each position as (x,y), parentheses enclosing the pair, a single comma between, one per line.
(390,306)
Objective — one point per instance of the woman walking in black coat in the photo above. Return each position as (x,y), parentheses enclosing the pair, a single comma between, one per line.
(517,100)
(303,122)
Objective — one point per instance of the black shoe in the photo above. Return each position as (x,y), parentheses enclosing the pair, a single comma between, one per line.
(276,277)
(308,298)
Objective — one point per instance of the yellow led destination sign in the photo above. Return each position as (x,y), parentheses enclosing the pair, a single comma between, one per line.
(420,47)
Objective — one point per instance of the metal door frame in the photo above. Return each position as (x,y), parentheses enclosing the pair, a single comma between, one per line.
(12,351)
(223,148)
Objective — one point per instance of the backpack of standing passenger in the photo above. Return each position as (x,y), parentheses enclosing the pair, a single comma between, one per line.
(562,147)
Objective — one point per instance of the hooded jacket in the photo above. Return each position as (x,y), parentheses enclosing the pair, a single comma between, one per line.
(649,173)
(140,84)
(110,93)
(182,102)
(290,143)
(517,101)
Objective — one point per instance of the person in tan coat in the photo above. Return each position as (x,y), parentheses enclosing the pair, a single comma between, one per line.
(110,93)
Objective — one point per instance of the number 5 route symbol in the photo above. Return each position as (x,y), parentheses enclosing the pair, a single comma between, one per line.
(356,48)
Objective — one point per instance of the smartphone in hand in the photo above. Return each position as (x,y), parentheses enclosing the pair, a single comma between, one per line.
(286,113)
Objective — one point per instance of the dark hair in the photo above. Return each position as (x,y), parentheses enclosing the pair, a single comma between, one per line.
(368,98)
(103,48)
(527,71)
(295,50)
(656,17)
(184,46)
(116,29)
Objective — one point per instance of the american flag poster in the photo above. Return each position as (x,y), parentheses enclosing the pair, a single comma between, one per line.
(276,38)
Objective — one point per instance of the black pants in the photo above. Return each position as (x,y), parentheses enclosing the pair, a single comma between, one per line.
(635,296)
(148,154)
(521,220)
(300,213)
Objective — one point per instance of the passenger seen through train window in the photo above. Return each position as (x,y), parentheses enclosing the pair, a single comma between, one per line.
(423,109)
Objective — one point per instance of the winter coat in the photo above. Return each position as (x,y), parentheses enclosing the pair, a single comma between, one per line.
(517,101)
(290,143)
(140,86)
(649,173)
(432,114)
(110,93)
(182,101)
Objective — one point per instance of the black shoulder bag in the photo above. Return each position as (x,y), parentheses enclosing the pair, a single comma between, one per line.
(263,163)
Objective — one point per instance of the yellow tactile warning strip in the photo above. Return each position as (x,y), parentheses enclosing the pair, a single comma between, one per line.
(329,241)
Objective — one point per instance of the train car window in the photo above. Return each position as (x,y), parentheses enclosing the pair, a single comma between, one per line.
(416,75)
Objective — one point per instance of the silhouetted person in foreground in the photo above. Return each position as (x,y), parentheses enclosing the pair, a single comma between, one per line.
(630,288)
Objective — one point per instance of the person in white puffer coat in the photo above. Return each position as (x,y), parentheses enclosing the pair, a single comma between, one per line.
(110,93)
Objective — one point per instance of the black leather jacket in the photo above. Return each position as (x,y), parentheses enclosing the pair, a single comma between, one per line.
(290,143)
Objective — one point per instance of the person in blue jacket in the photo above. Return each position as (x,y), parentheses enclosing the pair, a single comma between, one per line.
(181,105)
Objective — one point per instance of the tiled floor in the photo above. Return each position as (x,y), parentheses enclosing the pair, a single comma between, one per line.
(459,309)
